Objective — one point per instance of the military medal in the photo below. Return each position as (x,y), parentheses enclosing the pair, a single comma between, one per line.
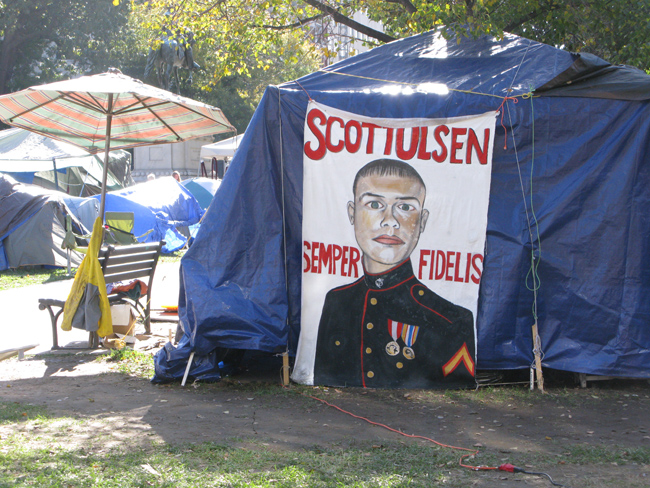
(409,336)
(395,330)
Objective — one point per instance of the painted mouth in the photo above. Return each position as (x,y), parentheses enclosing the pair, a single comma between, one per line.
(389,240)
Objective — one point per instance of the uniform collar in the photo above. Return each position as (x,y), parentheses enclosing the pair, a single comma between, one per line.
(390,278)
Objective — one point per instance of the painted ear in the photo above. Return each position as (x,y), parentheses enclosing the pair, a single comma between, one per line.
(351,212)
(423,220)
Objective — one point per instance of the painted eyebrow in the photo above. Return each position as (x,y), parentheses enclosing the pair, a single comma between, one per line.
(368,194)
(376,195)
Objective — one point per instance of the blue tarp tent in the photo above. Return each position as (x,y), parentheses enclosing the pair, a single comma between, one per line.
(568,222)
(161,206)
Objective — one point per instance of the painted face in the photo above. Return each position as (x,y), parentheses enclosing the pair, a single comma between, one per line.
(388,218)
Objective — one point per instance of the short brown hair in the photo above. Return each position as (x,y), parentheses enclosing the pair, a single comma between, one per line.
(384,167)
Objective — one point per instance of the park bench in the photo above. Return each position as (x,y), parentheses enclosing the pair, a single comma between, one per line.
(119,264)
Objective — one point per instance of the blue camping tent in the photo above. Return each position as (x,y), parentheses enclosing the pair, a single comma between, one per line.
(568,220)
(162,206)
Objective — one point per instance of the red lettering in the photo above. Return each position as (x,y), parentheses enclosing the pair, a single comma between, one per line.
(467,266)
(441,264)
(450,265)
(399,145)
(371,136)
(455,144)
(456,276)
(476,279)
(325,257)
(350,146)
(472,143)
(422,147)
(314,258)
(439,157)
(344,260)
(355,256)
(423,262)
(328,135)
(319,152)
(306,256)
(389,140)
(336,254)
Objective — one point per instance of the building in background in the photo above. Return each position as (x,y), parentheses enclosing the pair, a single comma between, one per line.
(341,41)
(164,159)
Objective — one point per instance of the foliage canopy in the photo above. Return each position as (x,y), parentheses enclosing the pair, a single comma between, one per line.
(244,33)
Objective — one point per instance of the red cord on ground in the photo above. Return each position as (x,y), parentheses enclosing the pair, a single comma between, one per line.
(472,452)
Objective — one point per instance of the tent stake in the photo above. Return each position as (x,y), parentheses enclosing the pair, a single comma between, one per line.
(187,370)
(538,359)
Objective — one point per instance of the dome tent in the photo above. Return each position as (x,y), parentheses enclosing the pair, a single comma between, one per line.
(572,140)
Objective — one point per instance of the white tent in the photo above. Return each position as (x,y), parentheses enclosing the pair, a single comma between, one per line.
(33,158)
(222,149)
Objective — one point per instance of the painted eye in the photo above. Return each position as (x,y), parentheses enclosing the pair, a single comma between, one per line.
(375,205)
(405,207)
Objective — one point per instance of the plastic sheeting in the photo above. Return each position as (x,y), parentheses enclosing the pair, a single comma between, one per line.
(203,189)
(32,226)
(570,188)
(160,206)
(33,158)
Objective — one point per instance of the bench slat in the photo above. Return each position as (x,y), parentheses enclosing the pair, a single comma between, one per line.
(129,275)
(117,267)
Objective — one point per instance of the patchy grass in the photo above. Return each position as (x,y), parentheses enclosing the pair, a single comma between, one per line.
(39,453)
(17,412)
(131,362)
(174,257)
(32,275)
(39,275)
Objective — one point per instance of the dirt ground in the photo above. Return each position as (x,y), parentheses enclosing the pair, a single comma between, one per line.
(250,409)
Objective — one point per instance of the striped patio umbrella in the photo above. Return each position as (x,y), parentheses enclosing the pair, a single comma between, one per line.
(110,111)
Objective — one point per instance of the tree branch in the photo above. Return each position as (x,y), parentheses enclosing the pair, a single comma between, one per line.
(408,6)
(531,16)
(342,19)
(299,23)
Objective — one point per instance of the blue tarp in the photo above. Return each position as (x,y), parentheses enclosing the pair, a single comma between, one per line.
(570,188)
(162,206)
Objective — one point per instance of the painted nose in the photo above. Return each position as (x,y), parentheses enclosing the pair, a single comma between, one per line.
(389,219)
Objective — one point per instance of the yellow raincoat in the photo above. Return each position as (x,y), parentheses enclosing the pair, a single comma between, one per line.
(87,306)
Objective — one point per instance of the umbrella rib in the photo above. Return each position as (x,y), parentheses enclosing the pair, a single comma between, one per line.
(157,116)
(202,115)
(74,98)
(185,107)
(35,108)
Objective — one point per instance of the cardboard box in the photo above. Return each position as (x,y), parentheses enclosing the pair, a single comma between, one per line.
(124,317)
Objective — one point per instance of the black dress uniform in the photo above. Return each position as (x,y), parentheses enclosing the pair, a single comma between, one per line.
(390,331)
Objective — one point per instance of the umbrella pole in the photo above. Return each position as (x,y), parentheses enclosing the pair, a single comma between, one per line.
(107,148)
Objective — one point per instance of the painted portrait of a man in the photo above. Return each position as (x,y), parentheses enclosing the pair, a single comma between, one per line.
(387,329)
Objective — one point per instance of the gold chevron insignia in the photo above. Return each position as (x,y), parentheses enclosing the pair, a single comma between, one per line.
(461,356)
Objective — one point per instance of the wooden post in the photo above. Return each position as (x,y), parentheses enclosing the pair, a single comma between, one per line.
(285,369)
(537,346)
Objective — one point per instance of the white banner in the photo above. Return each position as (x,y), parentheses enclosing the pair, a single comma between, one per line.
(394,221)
